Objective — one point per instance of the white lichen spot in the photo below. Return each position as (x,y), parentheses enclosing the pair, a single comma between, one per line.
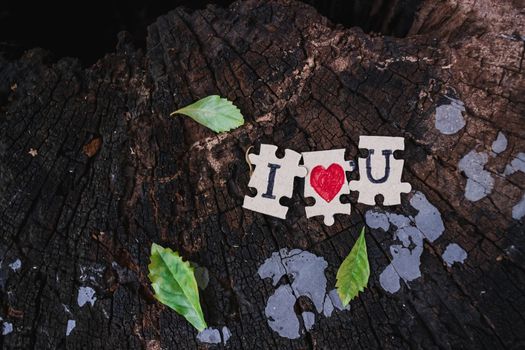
(518,211)
(479,181)
(500,144)
(454,253)
(449,117)
(86,295)
(7,328)
(70,326)
(15,265)
(91,273)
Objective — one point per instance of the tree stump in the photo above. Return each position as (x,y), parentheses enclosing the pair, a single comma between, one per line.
(93,170)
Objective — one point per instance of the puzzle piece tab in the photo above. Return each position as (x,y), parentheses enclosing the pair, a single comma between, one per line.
(380,172)
(273,178)
(326,182)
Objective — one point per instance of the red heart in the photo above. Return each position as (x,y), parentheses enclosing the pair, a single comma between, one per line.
(327,182)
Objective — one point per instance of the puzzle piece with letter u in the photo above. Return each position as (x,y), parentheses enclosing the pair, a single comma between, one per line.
(325,172)
(380,172)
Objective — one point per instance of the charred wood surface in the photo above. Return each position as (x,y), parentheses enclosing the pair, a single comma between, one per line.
(93,170)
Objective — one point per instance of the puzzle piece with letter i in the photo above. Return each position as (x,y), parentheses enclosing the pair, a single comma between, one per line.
(273,178)
(380,172)
(326,182)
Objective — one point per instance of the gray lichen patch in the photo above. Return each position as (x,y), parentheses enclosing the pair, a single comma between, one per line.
(376,219)
(307,273)
(305,269)
(86,295)
(518,211)
(226,334)
(210,336)
(308,319)
(332,301)
(449,117)
(328,306)
(500,144)
(336,301)
(406,261)
(454,253)
(15,265)
(428,219)
(7,327)
(70,326)
(389,279)
(406,257)
(517,164)
(280,313)
(213,335)
(479,181)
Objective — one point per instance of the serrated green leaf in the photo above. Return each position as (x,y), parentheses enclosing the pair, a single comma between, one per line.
(214,112)
(352,276)
(174,284)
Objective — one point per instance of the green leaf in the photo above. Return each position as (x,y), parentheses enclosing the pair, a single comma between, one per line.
(175,285)
(214,112)
(352,276)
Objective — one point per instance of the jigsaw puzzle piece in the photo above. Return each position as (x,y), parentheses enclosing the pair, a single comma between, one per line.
(380,172)
(273,178)
(326,182)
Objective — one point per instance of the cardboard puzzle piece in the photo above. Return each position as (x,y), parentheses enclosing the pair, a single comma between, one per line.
(326,182)
(380,172)
(273,178)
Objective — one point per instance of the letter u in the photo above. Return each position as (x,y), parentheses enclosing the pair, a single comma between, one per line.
(386,153)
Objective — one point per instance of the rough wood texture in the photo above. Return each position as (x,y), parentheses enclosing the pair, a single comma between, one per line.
(115,173)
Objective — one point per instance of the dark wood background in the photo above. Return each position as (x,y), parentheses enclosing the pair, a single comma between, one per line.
(115,173)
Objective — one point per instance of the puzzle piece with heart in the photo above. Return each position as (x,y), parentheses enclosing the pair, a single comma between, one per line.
(380,172)
(273,178)
(326,182)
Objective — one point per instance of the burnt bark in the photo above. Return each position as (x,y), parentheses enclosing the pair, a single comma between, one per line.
(110,172)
